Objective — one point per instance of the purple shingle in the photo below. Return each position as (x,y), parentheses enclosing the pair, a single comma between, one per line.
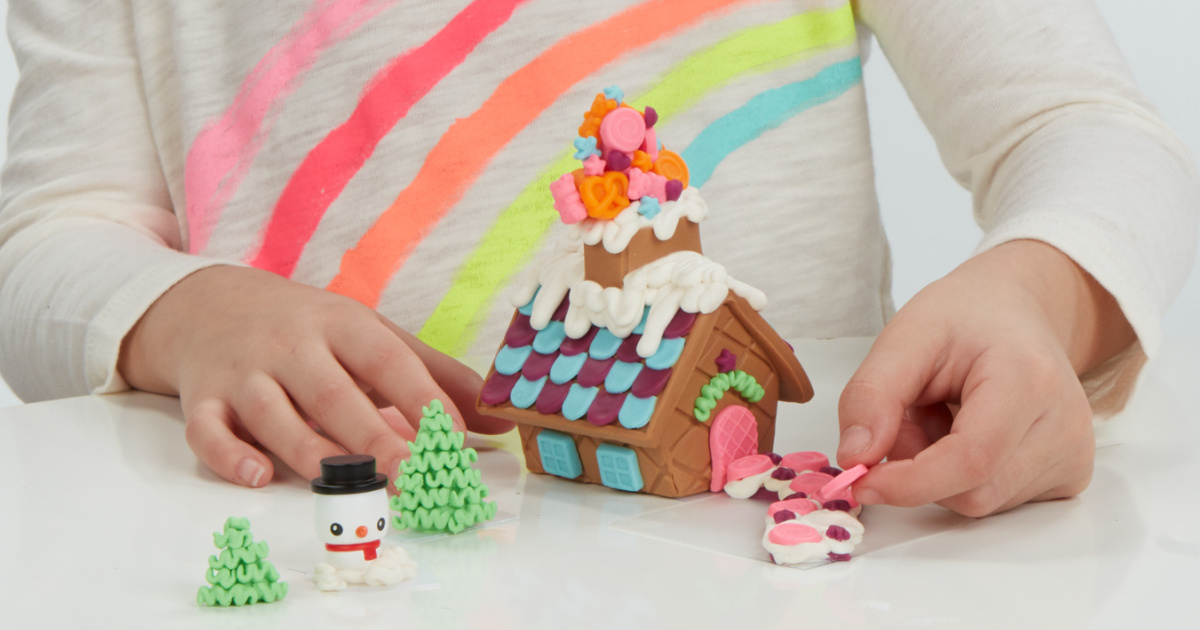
(538,365)
(628,350)
(519,333)
(497,388)
(650,382)
(550,401)
(605,408)
(594,371)
(680,325)
(560,314)
(572,347)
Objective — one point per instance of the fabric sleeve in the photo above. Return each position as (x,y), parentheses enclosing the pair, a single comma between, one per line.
(1035,111)
(88,239)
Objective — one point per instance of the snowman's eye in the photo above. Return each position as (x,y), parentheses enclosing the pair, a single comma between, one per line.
(381,524)
(335,529)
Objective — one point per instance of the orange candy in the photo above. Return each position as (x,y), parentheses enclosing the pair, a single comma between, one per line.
(671,166)
(590,128)
(605,196)
(642,161)
(578,175)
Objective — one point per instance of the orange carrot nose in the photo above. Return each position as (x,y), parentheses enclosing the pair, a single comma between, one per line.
(361,532)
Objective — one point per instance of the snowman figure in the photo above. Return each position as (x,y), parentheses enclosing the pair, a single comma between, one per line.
(351,518)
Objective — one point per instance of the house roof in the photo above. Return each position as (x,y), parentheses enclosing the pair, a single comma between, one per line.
(547,371)
(600,379)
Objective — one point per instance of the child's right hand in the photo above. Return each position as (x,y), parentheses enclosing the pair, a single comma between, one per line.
(263,363)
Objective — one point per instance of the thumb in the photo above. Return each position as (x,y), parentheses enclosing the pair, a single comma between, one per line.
(889,381)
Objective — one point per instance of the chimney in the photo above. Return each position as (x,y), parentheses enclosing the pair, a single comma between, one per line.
(609,270)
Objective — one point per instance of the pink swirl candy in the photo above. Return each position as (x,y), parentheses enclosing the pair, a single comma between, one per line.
(623,129)
(793,533)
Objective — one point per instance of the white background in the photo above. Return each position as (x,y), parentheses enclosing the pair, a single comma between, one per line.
(928,217)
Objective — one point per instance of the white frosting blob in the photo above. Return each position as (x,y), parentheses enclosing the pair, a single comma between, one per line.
(685,281)
(817,551)
(619,231)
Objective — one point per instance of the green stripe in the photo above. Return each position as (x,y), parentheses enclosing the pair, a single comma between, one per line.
(519,230)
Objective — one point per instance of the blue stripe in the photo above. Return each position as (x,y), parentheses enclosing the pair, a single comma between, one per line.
(766,111)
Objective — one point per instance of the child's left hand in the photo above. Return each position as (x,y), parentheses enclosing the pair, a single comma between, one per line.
(972,392)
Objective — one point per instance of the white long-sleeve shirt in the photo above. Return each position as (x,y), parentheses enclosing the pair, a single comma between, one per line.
(400,152)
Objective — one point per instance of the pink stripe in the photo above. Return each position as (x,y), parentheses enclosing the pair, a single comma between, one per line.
(224,149)
(391,93)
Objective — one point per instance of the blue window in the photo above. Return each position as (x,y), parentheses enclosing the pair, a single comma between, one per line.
(559,455)
(619,468)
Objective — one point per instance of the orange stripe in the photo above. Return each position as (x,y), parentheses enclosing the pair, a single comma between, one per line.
(470,144)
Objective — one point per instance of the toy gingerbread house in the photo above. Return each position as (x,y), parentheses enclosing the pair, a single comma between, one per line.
(633,360)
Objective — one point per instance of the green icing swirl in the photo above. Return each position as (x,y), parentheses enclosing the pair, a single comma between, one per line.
(741,382)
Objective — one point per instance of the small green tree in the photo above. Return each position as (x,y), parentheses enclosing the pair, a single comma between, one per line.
(241,574)
(440,491)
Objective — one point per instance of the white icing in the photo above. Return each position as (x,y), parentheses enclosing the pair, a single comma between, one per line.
(686,281)
(616,233)
(748,486)
(817,551)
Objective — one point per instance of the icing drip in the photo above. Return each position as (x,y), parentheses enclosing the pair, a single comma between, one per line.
(683,280)
(619,231)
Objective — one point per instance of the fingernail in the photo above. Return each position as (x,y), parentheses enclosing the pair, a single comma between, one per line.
(867,496)
(854,440)
(250,472)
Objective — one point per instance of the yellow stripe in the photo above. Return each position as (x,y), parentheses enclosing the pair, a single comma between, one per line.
(518,232)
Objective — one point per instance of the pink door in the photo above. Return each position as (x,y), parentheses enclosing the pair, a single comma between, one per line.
(734,434)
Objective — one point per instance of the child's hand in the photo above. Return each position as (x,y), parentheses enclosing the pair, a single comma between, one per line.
(261,362)
(971,391)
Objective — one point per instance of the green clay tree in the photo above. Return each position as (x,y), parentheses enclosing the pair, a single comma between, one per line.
(440,490)
(241,574)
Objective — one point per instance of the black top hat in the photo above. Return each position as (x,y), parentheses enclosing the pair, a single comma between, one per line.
(348,474)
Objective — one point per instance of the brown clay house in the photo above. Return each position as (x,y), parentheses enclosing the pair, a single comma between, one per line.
(592,410)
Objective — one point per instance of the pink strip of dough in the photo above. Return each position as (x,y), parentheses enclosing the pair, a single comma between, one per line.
(746,466)
(793,533)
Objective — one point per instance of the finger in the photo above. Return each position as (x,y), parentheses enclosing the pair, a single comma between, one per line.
(330,397)
(380,359)
(921,427)
(888,382)
(459,383)
(267,412)
(210,435)
(986,432)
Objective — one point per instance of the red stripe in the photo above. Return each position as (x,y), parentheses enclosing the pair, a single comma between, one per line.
(330,166)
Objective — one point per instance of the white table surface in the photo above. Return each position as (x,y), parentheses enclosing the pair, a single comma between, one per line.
(108,518)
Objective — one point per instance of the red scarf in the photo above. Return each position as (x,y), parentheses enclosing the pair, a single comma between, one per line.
(368,549)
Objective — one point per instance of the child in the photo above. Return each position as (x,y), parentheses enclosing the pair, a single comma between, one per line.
(184,179)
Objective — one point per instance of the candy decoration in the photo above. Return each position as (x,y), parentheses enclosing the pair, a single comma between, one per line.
(642,160)
(585,147)
(668,164)
(593,166)
(618,161)
(605,197)
(614,93)
(624,129)
(566,199)
(650,145)
(651,117)
(642,184)
(649,208)
(674,189)
(726,361)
